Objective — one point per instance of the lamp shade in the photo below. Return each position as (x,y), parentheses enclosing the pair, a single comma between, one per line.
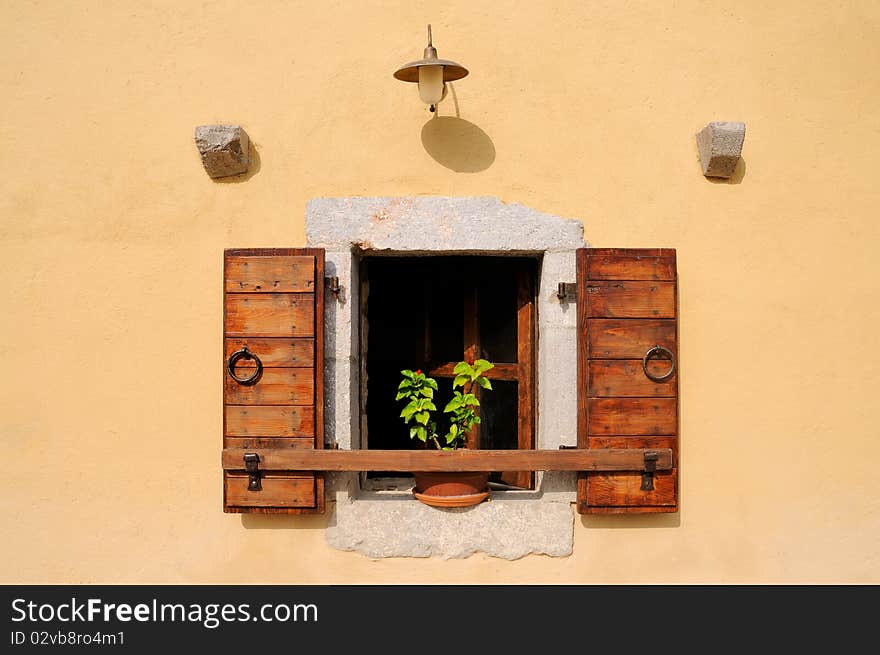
(451,71)
(411,72)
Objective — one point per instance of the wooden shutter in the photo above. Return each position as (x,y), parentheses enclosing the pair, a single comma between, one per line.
(274,306)
(627,305)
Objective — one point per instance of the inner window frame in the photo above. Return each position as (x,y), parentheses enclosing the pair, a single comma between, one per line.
(524,371)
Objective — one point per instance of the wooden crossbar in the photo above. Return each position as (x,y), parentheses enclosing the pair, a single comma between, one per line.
(293,459)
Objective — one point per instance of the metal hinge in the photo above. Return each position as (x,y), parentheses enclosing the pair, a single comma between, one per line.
(251,465)
(648,474)
(567,292)
(333,285)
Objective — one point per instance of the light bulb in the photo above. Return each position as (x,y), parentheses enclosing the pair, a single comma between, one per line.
(431,84)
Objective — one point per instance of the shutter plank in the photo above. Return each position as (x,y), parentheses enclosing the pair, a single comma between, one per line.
(269,274)
(633,441)
(269,442)
(274,352)
(278,490)
(612,338)
(625,377)
(270,421)
(275,386)
(615,489)
(637,416)
(270,315)
(625,267)
(631,299)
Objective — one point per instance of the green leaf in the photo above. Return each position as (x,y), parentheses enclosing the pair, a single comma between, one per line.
(422,433)
(422,417)
(461,367)
(482,365)
(424,403)
(409,410)
(413,432)
(407,373)
(453,430)
(484,382)
(431,382)
(428,392)
(476,419)
(401,394)
(460,381)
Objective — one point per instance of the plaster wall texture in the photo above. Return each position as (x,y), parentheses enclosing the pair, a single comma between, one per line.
(112,237)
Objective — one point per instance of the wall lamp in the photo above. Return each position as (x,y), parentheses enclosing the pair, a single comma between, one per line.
(431,74)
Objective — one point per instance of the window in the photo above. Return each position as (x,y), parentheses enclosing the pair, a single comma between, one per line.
(591,379)
(429,313)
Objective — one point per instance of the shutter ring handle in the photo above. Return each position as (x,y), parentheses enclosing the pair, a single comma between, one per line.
(237,356)
(658,352)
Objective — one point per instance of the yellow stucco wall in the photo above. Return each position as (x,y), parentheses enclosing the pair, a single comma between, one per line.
(112,237)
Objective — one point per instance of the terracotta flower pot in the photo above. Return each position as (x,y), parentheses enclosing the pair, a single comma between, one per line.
(451,489)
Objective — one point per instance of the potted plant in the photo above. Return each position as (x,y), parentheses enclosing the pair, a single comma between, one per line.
(446,488)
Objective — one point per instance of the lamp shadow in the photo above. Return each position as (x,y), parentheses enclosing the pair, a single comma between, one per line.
(253,168)
(457,144)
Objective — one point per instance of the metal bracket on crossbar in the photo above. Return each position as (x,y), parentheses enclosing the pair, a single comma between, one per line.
(251,465)
(648,474)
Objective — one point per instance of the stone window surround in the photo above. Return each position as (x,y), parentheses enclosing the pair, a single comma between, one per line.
(392,523)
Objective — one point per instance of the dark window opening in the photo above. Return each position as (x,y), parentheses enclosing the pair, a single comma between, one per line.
(429,313)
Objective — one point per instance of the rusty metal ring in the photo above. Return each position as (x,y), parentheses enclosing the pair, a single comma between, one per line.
(657,351)
(238,355)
